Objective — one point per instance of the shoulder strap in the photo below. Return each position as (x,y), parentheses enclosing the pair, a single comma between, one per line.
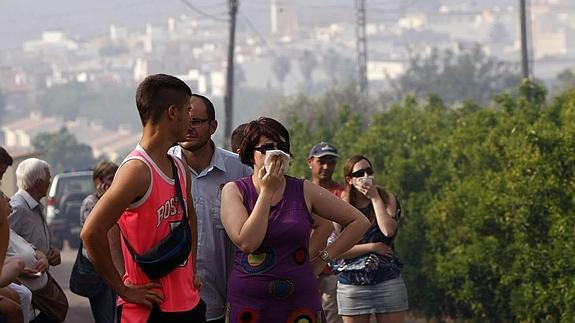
(179,191)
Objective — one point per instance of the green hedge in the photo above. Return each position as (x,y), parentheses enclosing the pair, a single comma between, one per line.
(488,197)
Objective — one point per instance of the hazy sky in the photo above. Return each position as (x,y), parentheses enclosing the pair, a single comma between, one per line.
(22,20)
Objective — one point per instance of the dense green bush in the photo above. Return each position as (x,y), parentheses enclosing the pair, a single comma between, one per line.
(488,197)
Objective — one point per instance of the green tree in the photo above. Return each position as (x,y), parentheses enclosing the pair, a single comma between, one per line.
(111,105)
(565,81)
(487,195)
(468,74)
(338,68)
(281,67)
(307,63)
(63,151)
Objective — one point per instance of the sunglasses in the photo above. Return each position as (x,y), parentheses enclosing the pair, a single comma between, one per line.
(362,172)
(283,146)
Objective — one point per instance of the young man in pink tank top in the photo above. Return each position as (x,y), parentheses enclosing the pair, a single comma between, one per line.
(142,201)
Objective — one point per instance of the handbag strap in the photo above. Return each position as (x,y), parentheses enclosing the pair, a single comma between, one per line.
(184,220)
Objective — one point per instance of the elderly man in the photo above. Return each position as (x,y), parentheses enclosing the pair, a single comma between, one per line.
(27,220)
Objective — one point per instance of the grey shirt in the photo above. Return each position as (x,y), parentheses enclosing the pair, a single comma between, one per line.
(87,205)
(27,220)
(215,250)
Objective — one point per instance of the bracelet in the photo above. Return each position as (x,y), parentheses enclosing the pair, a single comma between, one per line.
(324,255)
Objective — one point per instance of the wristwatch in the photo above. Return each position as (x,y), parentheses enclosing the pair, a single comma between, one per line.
(323,255)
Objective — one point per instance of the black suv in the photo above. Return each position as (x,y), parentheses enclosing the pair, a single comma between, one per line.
(65,197)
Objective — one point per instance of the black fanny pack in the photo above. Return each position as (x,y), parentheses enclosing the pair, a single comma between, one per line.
(171,251)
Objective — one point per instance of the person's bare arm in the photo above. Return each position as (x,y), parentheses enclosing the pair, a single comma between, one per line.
(116,249)
(247,236)
(384,213)
(379,248)
(329,207)
(321,232)
(248,231)
(318,241)
(13,267)
(131,182)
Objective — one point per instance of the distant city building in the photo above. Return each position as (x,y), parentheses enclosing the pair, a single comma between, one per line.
(382,70)
(52,42)
(194,48)
(284,22)
(18,135)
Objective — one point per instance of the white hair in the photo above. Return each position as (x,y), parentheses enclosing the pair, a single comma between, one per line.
(30,171)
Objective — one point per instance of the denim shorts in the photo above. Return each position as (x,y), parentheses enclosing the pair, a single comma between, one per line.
(385,297)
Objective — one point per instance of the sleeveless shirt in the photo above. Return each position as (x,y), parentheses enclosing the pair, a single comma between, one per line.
(276,283)
(147,221)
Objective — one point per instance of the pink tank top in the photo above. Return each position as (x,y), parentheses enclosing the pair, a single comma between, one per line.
(147,221)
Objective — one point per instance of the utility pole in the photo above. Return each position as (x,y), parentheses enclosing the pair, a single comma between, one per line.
(361,45)
(524,40)
(229,97)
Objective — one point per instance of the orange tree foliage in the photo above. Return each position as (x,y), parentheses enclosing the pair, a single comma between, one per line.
(488,197)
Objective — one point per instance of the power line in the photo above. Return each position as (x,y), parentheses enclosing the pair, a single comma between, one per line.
(78,12)
(256,31)
(201,12)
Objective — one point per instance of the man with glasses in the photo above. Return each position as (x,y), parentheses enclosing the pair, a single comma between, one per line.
(322,160)
(211,167)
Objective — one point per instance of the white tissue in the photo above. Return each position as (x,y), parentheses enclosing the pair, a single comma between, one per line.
(284,157)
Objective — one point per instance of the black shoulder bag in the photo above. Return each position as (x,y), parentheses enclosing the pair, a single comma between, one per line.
(84,280)
(172,250)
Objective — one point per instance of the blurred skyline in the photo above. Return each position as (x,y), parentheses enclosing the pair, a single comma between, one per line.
(76,64)
(24,20)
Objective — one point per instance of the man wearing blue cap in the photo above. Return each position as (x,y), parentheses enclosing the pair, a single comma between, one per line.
(322,160)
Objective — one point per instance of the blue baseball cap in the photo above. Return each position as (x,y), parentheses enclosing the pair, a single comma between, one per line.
(323,149)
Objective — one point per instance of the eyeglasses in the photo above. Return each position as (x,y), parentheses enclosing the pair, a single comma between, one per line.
(196,123)
(283,146)
(362,172)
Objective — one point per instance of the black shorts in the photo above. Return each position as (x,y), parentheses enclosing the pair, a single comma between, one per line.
(195,315)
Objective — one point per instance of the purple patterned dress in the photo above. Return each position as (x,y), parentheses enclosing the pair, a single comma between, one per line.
(276,282)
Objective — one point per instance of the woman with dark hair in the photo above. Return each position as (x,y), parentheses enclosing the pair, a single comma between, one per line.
(369,278)
(269,217)
(103,305)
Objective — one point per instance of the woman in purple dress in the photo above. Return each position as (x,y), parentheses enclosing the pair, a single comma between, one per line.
(270,217)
